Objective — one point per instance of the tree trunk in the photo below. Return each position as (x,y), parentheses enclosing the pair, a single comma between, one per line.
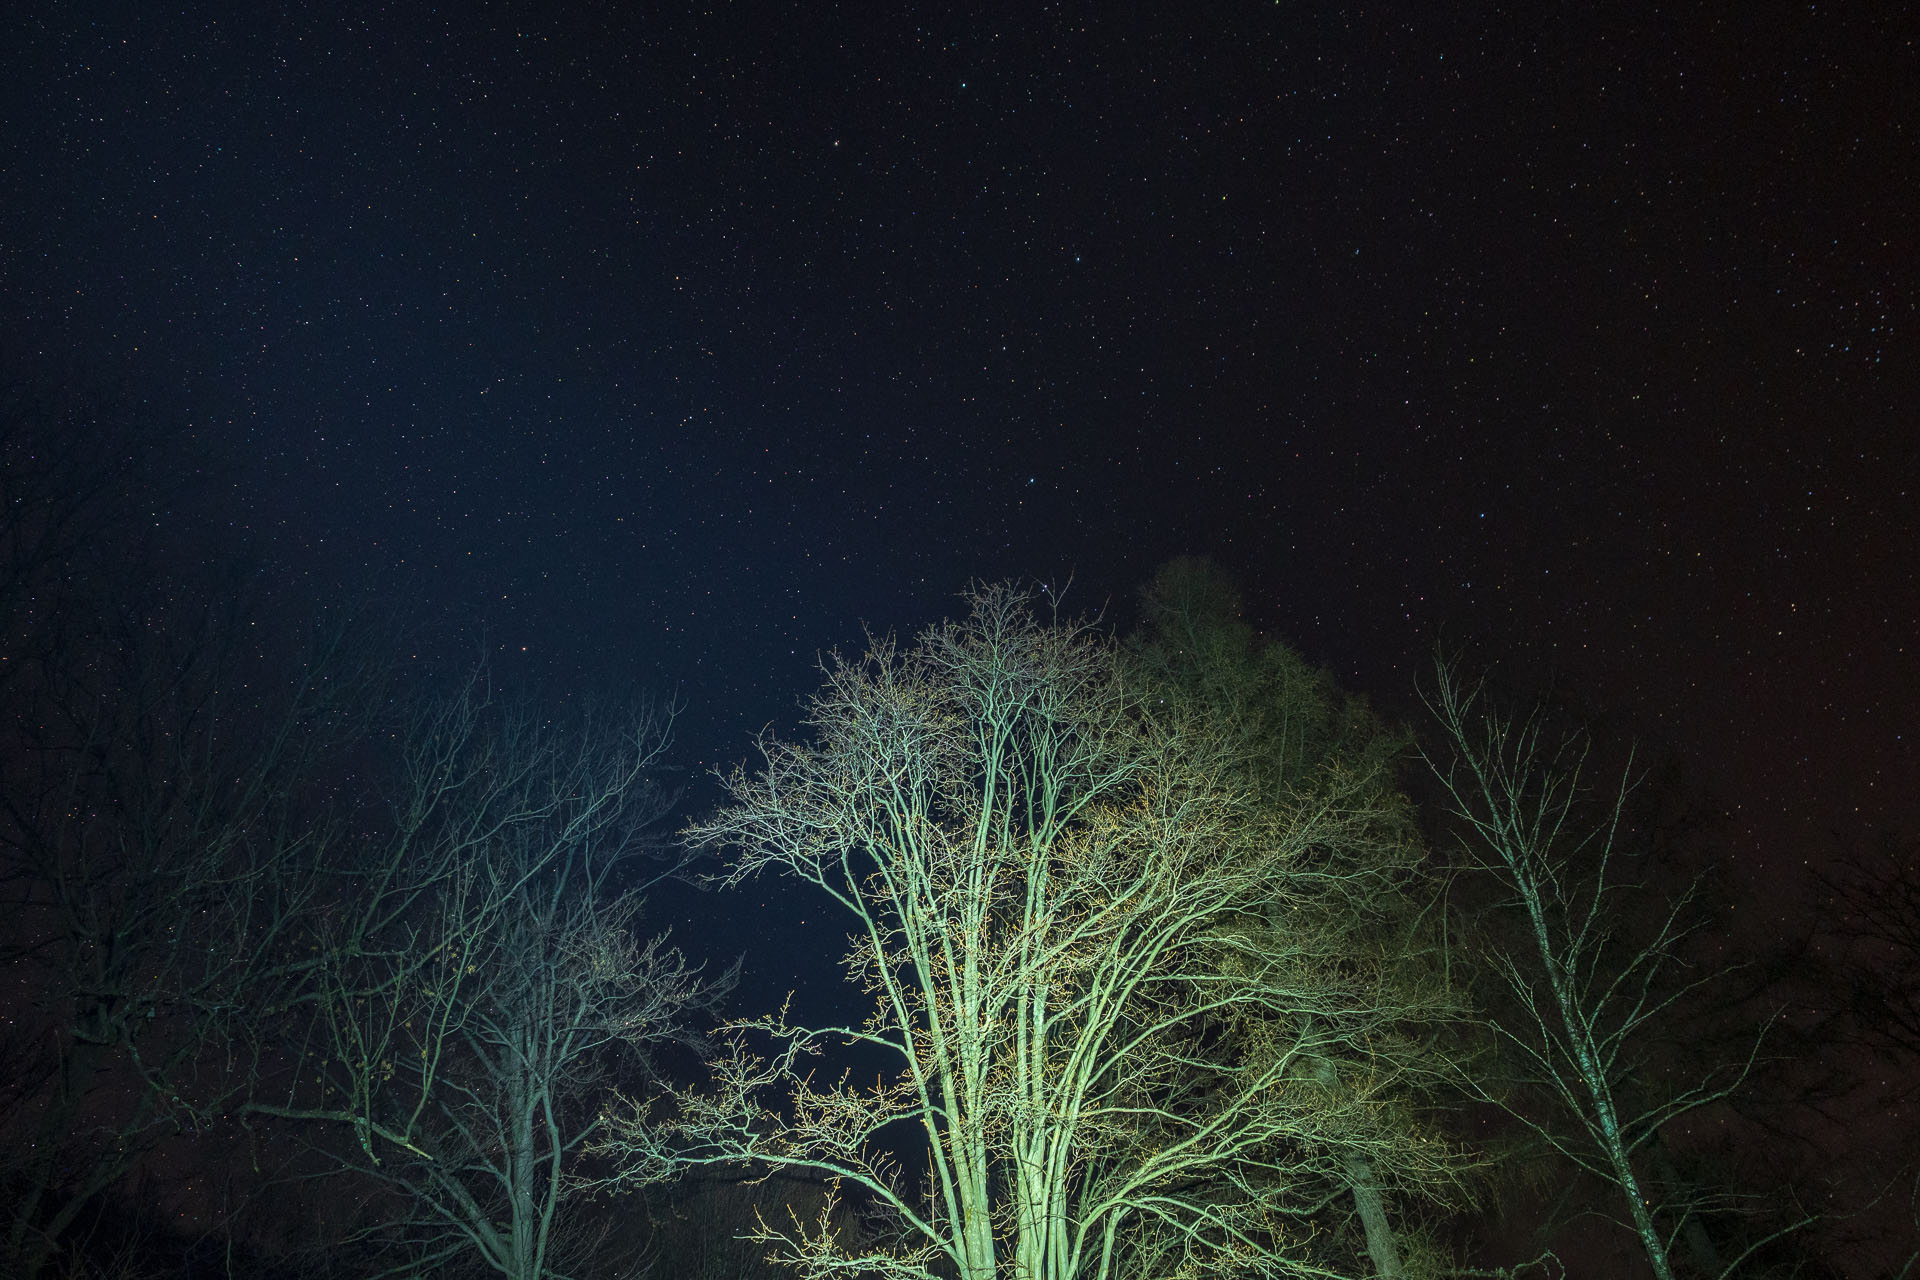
(1368,1202)
(1372,1208)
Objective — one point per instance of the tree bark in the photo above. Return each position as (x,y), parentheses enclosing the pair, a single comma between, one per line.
(1371,1205)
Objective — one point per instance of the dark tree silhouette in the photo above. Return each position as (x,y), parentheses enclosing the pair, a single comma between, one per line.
(468,977)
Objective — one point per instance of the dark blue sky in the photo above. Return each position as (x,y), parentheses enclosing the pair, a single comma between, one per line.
(672,347)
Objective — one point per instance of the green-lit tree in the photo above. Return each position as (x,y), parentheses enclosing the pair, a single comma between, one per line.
(1291,723)
(1131,1003)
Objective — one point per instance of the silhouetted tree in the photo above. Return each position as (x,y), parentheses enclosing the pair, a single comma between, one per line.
(155,793)
(158,749)
(1587,989)
(471,979)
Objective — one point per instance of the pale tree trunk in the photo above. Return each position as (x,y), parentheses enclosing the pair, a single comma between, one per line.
(1629,1182)
(1372,1208)
(520,1165)
(1587,1063)
(1368,1201)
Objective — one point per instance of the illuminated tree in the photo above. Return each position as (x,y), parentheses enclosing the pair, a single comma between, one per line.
(1128,996)
(1289,722)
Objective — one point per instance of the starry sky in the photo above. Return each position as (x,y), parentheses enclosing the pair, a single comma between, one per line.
(668,347)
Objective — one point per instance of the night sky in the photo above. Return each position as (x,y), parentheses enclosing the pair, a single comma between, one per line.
(669,348)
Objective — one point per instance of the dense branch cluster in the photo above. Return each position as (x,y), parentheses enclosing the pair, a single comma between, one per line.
(1132,982)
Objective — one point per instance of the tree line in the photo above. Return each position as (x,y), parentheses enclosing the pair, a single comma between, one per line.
(1178,959)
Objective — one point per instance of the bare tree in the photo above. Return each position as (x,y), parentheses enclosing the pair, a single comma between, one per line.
(476,979)
(1128,1029)
(1588,990)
